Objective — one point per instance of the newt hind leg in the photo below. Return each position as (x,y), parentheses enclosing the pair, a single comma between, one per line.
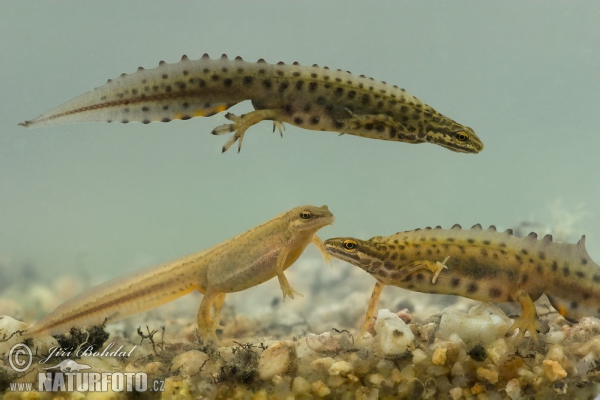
(207,326)
(242,123)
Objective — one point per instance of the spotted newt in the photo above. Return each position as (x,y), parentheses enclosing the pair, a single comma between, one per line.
(239,263)
(479,264)
(308,97)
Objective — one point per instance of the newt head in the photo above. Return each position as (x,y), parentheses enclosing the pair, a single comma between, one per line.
(453,136)
(362,253)
(309,218)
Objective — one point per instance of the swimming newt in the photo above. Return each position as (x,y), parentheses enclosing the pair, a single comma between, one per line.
(308,97)
(480,264)
(239,263)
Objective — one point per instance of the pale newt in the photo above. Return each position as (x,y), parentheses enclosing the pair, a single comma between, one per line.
(480,264)
(308,97)
(239,263)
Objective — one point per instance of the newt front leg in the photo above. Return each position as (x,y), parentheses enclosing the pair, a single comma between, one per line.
(528,321)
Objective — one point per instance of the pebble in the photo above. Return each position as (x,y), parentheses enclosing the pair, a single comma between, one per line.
(342,368)
(335,381)
(456,393)
(175,388)
(153,367)
(483,324)
(393,335)
(322,343)
(513,389)
(487,374)
(320,389)
(376,379)
(300,385)
(278,359)
(321,365)
(189,363)
(439,356)
(553,370)
(8,325)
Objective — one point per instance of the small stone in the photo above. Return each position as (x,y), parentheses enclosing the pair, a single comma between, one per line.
(439,356)
(322,343)
(478,388)
(497,350)
(366,393)
(555,337)
(153,367)
(300,385)
(458,369)
(320,389)
(278,359)
(456,393)
(260,395)
(437,370)
(189,363)
(483,324)
(342,368)
(335,381)
(418,356)
(321,365)
(487,374)
(393,335)
(8,326)
(396,376)
(404,315)
(513,389)
(175,388)
(554,371)
(375,379)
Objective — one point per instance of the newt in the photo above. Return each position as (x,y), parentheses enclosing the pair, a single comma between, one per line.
(244,261)
(479,264)
(312,98)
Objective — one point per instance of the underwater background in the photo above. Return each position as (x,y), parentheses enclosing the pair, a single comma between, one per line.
(93,201)
(99,199)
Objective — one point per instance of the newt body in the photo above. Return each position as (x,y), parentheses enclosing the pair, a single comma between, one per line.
(239,263)
(480,264)
(308,97)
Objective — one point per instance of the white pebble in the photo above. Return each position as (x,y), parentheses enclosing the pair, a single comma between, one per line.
(456,393)
(342,368)
(483,324)
(300,385)
(320,389)
(8,326)
(322,343)
(393,335)
(513,389)
(321,365)
(189,363)
(276,360)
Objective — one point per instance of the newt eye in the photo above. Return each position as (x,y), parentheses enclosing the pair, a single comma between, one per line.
(461,136)
(350,245)
(305,214)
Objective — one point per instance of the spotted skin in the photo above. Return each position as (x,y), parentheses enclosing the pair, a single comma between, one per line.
(479,264)
(313,98)
(239,263)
